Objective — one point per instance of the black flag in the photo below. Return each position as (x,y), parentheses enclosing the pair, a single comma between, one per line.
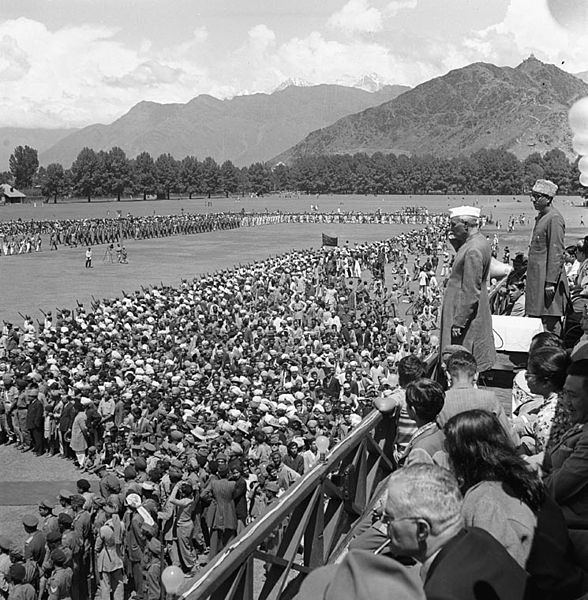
(329,241)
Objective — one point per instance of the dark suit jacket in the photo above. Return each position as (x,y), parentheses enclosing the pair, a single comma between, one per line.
(68,415)
(567,482)
(474,566)
(551,563)
(35,415)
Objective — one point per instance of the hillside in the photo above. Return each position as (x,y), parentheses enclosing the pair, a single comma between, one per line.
(243,129)
(40,139)
(522,109)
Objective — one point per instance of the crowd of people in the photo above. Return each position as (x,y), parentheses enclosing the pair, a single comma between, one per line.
(196,407)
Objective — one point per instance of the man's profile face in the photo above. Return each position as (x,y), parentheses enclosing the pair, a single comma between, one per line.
(401,528)
(458,231)
(540,202)
(574,391)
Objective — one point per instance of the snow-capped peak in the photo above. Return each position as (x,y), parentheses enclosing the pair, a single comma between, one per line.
(292,81)
(372,82)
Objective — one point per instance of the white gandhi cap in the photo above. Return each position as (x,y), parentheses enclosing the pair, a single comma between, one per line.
(465,211)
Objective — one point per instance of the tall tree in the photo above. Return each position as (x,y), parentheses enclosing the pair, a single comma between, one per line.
(86,173)
(190,175)
(167,174)
(54,184)
(23,164)
(533,169)
(117,172)
(281,177)
(558,169)
(210,176)
(229,178)
(260,179)
(143,174)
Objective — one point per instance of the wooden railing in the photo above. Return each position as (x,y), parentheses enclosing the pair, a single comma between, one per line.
(312,518)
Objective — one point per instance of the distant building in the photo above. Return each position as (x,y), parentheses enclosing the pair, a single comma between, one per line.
(10,195)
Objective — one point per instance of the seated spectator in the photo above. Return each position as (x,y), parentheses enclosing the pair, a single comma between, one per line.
(566,463)
(520,389)
(542,422)
(424,401)
(516,299)
(580,350)
(501,494)
(462,395)
(424,520)
(579,295)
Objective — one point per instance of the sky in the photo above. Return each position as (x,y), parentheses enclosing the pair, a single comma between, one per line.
(71,63)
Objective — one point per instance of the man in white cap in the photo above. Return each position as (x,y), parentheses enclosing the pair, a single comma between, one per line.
(466,317)
(546,287)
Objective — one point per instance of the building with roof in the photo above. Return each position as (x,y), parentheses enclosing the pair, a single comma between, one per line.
(10,195)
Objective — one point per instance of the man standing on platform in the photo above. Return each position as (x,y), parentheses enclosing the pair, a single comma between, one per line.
(546,288)
(466,318)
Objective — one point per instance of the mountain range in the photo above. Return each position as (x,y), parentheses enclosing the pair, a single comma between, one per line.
(243,129)
(522,109)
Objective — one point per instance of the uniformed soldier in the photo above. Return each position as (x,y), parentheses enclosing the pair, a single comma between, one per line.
(60,582)
(20,590)
(70,539)
(53,542)
(34,548)
(82,524)
(48,519)
(152,585)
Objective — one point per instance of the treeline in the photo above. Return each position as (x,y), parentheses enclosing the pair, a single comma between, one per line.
(112,173)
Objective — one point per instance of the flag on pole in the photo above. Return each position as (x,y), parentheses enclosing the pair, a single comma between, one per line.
(329,241)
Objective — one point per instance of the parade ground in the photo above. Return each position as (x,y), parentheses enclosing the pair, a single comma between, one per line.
(52,280)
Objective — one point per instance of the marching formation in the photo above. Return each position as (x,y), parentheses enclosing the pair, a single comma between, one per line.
(25,237)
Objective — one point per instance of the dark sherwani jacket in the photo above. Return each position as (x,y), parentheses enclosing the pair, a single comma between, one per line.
(466,304)
(546,264)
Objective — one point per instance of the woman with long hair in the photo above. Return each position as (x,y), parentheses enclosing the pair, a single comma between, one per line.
(505,497)
(501,494)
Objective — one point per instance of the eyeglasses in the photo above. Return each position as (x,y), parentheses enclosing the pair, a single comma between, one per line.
(388,520)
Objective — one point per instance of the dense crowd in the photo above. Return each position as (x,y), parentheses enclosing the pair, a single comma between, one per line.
(198,406)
